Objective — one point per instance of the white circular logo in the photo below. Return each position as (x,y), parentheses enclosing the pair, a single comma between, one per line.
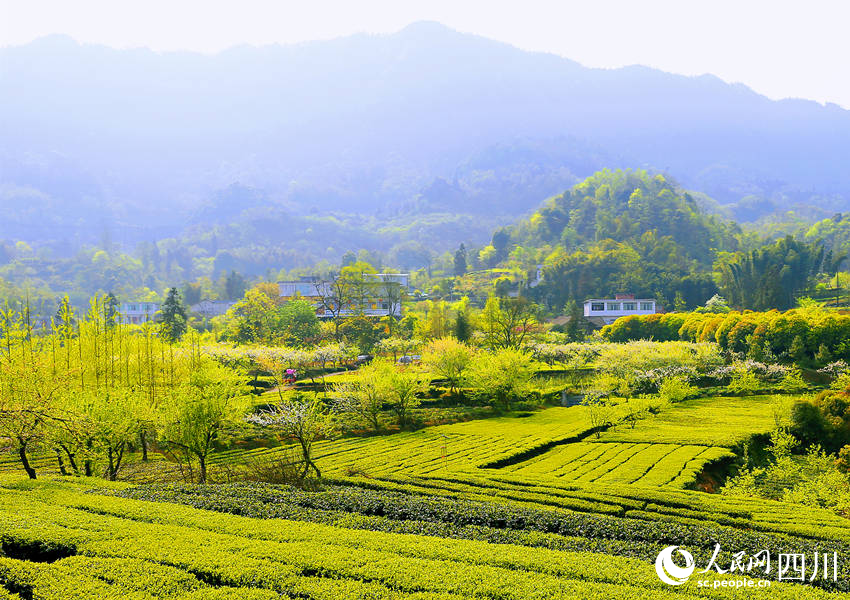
(671,573)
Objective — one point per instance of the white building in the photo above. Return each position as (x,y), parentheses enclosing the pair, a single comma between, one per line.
(208,309)
(382,295)
(136,313)
(622,305)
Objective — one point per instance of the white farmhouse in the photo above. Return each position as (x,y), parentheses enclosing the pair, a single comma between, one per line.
(136,313)
(609,310)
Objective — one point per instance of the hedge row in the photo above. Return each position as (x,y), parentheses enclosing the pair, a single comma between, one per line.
(641,536)
(310,560)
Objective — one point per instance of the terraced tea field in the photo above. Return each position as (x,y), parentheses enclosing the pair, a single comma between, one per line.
(667,449)
(445,448)
(704,422)
(626,463)
(62,543)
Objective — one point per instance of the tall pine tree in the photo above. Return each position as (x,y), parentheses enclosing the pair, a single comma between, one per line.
(172,316)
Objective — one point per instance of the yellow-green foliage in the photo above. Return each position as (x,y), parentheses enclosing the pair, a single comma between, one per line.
(128,548)
(626,463)
(702,421)
(467,445)
(802,334)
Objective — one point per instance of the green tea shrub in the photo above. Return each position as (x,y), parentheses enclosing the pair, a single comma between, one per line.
(676,389)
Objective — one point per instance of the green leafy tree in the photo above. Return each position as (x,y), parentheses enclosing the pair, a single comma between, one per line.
(254,319)
(234,286)
(577,327)
(404,388)
(110,310)
(298,322)
(463,328)
(508,322)
(365,393)
(448,359)
(172,316)
(771,276)
(460,262)
(201,409)
(501,377)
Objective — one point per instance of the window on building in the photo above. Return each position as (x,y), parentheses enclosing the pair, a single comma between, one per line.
(646,306)
(613,306)
(597,306)
(629,306)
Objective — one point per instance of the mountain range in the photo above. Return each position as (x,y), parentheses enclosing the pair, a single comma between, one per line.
(135,145)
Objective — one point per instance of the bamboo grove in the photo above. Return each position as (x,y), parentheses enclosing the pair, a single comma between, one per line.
(88,389)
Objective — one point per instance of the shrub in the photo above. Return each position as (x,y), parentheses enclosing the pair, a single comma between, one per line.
(676,389)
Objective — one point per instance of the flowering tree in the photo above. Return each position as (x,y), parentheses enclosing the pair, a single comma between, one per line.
(301,420)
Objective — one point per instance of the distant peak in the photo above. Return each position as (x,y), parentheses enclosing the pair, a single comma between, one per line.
(55,39)
(426,28)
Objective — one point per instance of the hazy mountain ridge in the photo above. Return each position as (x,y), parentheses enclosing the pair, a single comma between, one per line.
(371,124)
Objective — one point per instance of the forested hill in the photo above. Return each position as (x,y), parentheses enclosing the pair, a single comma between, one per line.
(639,232)
(647,212)
(622,231)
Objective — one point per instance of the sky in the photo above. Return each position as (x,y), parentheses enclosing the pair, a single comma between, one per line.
(779,48)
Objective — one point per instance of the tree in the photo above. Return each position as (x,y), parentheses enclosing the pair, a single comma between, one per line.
(365,393)
(201,409)
(300,419)
(715,304)
(508,321)
(298,322)
(335,296)
(448,359)
(253,319)
(65,314)
(29,399)
(172,316)
(771,276)
(577,327)
(501,377)
(463,328)
(404,386)
(460,263)
(501,239)
(110,310)
(599,411)
(111,420)
(397,346)
(234,286)
(437,319)
(192,293)
(361,331)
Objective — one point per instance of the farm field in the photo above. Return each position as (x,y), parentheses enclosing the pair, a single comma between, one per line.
(667,449)
(90,545)
(626,463)
(468,446)
(713,421)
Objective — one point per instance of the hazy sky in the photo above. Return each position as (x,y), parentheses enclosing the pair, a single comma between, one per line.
(780,48)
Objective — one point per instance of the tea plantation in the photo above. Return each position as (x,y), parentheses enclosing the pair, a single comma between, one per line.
(61,542)
(530,505)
